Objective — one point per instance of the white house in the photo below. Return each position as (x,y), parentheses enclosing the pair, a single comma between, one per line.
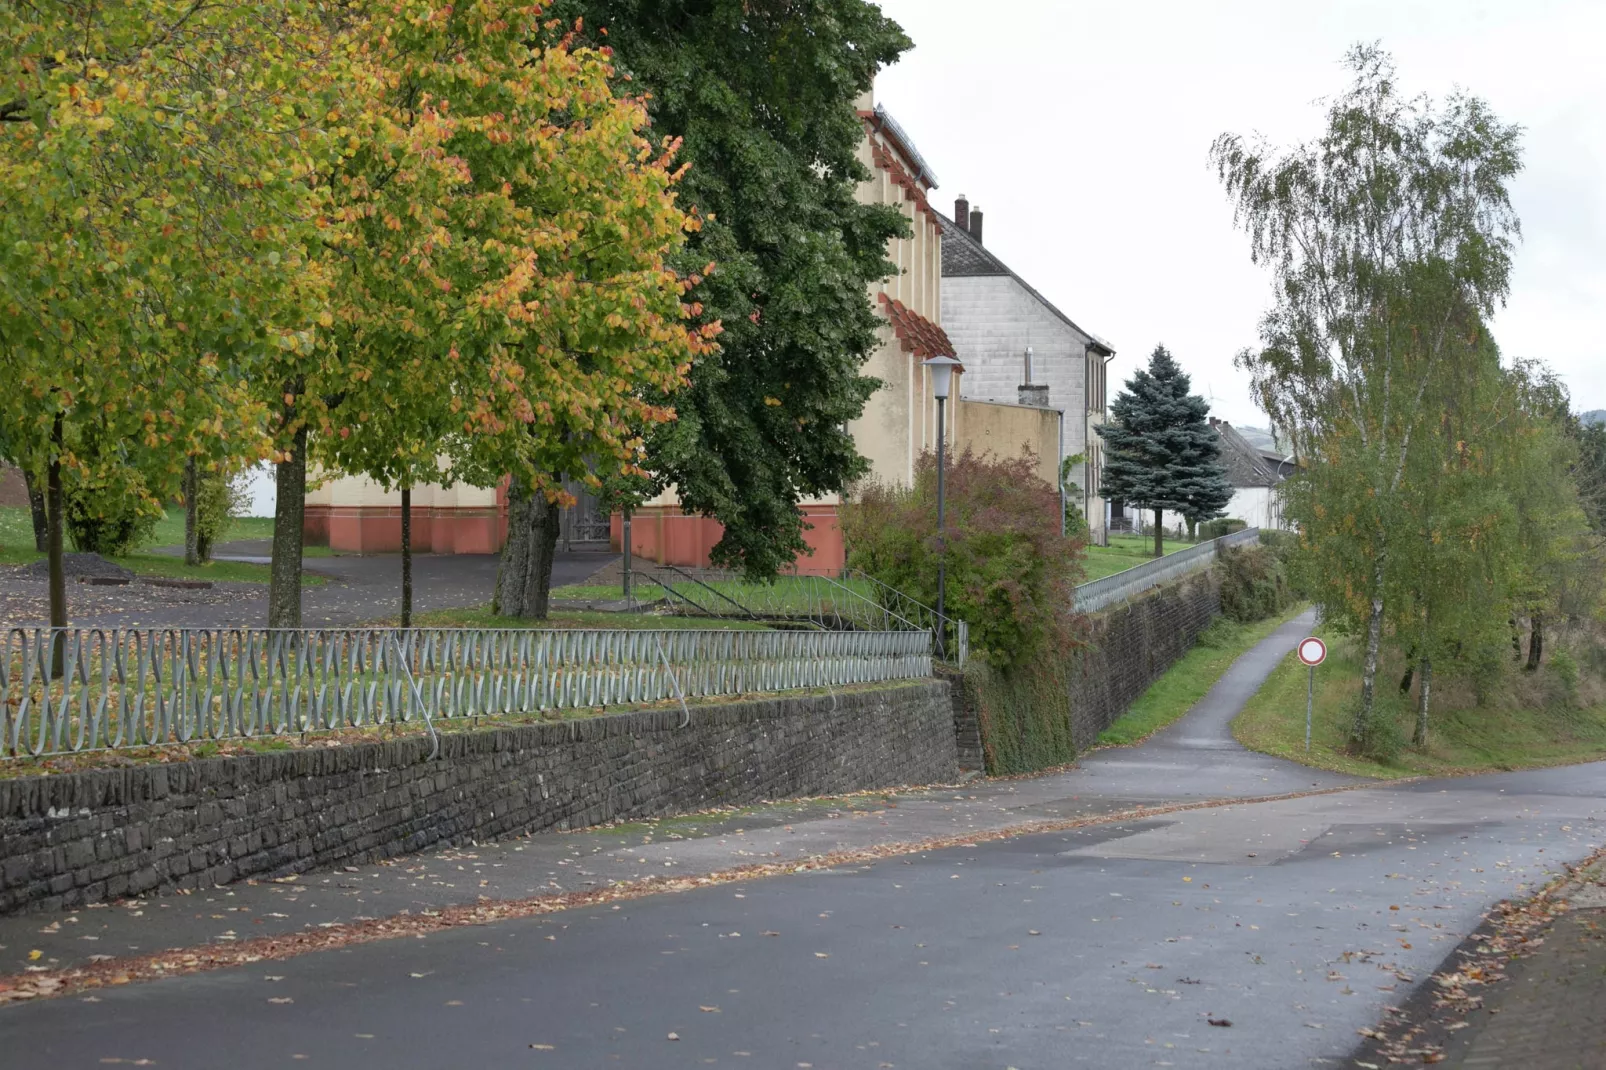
(1256,476)
(1018,348)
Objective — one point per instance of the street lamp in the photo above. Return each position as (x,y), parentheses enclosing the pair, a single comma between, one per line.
(942,379)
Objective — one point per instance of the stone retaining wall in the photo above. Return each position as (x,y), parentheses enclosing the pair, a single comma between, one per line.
(1132,645)
(84,837)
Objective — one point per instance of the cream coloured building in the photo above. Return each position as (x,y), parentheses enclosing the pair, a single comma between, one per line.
(899,422)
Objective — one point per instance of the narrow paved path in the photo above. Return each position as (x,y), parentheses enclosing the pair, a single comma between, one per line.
(1112,945)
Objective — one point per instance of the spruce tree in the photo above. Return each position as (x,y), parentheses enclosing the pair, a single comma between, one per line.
(1160,451)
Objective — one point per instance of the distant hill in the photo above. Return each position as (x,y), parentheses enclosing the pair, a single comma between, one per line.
(1593,416)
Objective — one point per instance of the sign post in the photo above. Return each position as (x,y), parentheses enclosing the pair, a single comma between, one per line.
(1312,651)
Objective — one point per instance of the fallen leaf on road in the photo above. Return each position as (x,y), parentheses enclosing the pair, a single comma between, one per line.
(1223,1022)
(543,1047)
(673,1036)
(709,1010)
(280,999)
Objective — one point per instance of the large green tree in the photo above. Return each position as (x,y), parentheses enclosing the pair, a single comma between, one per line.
(1388,237)
(763,95)
(1160,451)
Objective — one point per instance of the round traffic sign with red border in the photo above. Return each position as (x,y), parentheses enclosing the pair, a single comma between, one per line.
(1312,651)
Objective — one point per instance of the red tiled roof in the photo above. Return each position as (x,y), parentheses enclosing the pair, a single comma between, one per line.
(919,335)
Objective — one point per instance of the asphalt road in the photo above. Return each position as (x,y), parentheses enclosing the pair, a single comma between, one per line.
(1111,946)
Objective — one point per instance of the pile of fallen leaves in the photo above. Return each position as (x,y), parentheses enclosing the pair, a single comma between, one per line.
(1415,1036)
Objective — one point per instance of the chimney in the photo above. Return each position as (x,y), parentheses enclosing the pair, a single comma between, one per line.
(975,224)
(962,212)
(1033,394)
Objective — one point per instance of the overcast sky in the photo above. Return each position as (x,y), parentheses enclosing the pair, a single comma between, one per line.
(1081,129)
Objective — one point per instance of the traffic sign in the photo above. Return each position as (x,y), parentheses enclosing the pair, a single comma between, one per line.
(1312,651)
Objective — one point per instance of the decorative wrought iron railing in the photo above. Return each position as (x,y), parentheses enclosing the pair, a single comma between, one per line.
(840,600)
(146,687)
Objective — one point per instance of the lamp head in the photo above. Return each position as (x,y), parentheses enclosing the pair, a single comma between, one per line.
(942,374)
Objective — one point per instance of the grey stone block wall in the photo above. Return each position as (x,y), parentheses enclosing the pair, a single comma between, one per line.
(85,837)
(1131,646)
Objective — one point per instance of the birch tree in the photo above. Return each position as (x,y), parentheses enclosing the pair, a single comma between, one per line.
(1384,236)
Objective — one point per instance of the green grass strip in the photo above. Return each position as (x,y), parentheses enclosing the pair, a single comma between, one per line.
(1186,682)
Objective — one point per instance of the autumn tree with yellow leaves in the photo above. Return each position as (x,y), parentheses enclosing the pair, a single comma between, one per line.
(502,301)
(154,244)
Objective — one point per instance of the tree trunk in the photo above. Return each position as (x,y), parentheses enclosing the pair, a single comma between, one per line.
(407,556)
(192,531)
(1159,534)
(1536,642)
(1193,529)
(524,580)
(41,518)
(1405,681)
(1421,737)
(289,515)
(1516,640)
(1374,641)
(58,575)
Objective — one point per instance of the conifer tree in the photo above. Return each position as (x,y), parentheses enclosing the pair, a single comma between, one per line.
(1161,453)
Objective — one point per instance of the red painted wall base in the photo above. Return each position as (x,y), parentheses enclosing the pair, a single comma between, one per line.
(666,535)
(376,529)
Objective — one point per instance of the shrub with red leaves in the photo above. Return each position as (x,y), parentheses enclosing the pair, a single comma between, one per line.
(1011,573)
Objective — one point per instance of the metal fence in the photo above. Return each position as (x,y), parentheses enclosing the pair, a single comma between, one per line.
(1124,585)
(145,687)
(835,600)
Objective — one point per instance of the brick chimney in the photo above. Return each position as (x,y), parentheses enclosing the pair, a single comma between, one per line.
(975,224)
(962,212)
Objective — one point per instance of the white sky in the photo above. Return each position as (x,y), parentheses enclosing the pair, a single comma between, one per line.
(1081,130)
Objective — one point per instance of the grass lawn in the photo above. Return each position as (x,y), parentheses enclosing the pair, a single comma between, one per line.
(788,595)
(601,592)
(1460,740)
(484,618)
(1124,552)
(1186,682)
(16,548)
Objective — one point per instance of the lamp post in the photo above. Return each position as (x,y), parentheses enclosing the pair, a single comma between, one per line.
(942,378)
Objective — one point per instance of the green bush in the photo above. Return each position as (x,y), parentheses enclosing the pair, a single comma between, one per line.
(1384,737)
(1011,574)
(109,513)
(1215,529)
(219,499)
(1254,584)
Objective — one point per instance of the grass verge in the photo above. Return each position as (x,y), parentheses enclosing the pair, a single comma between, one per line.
(16,548)
(1124,552)
(144,564)
(1460,740)
(1186,682)
(484,618)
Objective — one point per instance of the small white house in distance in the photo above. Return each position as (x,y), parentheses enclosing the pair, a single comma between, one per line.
(1256,476)
(1019,349)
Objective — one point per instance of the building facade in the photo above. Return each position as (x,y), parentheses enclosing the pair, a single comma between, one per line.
(899,422)
(1018,347)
